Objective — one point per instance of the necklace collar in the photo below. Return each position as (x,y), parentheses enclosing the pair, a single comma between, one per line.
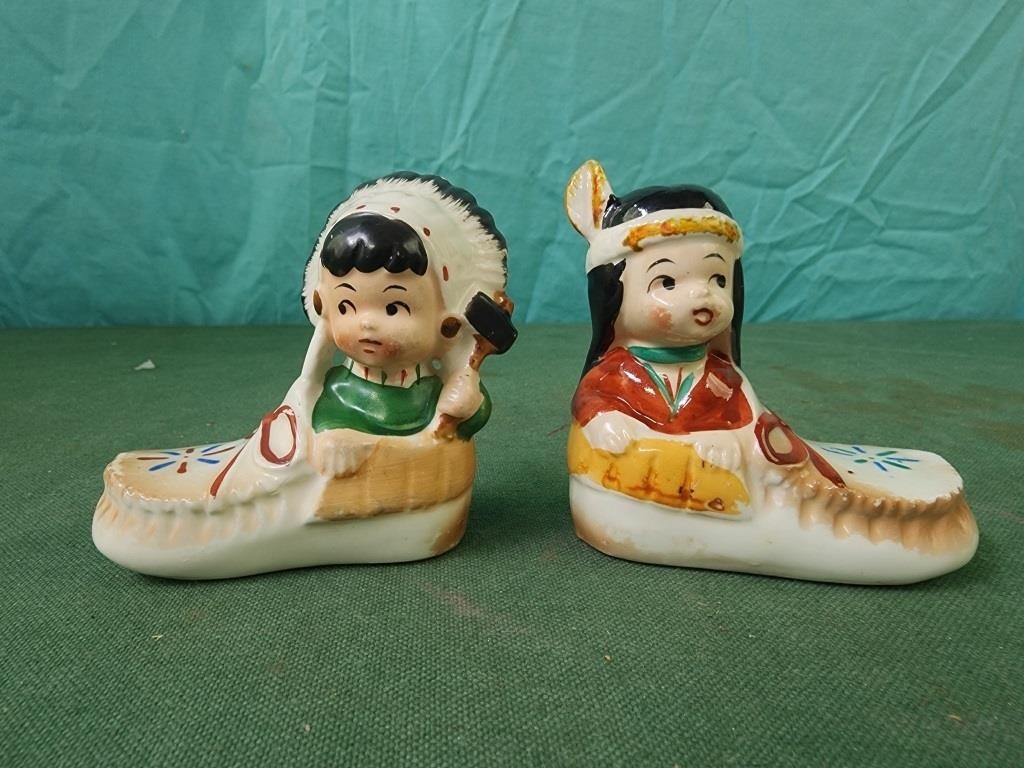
(669,354)
(402,378)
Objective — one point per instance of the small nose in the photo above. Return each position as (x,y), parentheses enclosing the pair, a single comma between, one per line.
(366,323)
(699,291)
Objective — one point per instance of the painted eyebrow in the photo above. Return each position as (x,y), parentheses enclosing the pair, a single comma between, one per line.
(660,261)
(396,287)
(714,256)
(346,285)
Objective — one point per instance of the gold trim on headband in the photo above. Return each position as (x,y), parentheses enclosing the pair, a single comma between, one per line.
(711,225)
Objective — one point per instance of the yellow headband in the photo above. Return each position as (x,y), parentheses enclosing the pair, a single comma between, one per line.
(711,225)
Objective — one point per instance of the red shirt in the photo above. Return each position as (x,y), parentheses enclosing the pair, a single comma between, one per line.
(620,382)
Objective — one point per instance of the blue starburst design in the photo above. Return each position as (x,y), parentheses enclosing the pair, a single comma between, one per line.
(182,457)
(166,459)
(882,459)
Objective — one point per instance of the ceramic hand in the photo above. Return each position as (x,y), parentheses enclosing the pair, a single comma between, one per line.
(461,397)
(723,451)
(611,432)
(341,452)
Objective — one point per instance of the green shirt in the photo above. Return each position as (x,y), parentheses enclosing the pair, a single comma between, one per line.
(349,401)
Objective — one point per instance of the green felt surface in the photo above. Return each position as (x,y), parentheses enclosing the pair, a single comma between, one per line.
(522,646)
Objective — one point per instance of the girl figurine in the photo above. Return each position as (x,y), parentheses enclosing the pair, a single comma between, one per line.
(673,459)
(367,461)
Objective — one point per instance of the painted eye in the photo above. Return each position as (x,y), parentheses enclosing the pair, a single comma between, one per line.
(345,306)
(392,308)
(662,281)
(720,279)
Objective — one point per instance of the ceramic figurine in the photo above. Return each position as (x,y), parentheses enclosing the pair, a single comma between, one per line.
(366,461)
(673,459)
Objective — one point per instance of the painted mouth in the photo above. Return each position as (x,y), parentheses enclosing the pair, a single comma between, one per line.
(703,316)
(370,345)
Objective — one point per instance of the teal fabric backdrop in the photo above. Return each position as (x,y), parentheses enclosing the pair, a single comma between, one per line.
(169,163)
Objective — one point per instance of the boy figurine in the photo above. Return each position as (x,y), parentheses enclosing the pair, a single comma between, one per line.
(368,461)
(386,314)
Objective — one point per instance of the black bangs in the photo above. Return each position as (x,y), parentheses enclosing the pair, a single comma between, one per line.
(649,199)
(367,242)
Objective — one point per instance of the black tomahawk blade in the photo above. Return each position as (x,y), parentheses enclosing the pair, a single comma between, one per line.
(491,321)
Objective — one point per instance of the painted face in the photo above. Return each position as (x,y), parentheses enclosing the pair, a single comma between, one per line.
(383,320)
(677,291)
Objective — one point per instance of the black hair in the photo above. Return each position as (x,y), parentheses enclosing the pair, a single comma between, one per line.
(604,291)
(640,202)
(368,242)
(604,286)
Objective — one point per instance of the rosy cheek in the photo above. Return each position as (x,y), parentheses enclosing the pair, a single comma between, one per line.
(343,342)
(343,337)
(660,318)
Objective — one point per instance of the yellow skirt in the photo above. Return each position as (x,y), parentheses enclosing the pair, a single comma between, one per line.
(662,471)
